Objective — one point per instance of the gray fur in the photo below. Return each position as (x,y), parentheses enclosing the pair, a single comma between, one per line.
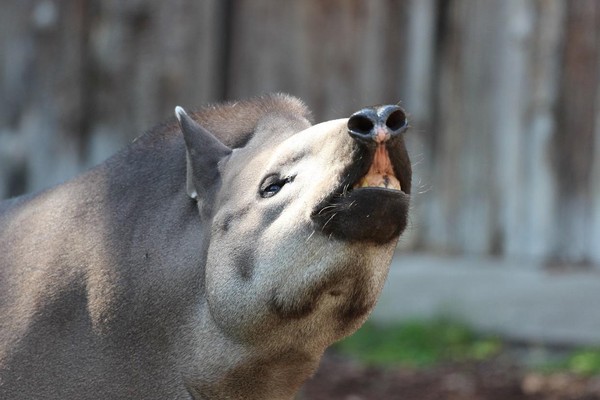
(118,285)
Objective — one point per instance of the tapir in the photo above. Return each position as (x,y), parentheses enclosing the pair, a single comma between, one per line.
(215,257)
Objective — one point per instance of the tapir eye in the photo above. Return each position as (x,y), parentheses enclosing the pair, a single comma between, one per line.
(272,184)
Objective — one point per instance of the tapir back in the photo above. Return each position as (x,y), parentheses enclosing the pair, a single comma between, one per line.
(91,270)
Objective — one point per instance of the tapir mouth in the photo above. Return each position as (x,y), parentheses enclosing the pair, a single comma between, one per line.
(380,173)
(371,203)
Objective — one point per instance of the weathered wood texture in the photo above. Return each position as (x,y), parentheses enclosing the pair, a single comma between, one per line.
(503,95)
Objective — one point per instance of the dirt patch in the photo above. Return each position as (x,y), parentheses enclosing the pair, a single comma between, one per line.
(498,379)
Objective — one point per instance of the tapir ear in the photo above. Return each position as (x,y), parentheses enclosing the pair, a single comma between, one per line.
(203,152)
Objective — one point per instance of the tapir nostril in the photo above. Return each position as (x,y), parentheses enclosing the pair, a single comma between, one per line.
(396,120)
(377,124)
(360,124)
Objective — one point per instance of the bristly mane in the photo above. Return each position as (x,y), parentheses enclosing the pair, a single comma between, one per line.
(234,122)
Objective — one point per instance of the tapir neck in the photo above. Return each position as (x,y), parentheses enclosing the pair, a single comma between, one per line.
(228,369)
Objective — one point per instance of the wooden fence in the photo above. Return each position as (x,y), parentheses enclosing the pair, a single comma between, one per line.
(503,97)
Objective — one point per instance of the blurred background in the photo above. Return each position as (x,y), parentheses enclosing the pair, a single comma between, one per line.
(503,98)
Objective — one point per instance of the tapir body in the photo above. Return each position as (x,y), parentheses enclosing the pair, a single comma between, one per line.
(214,258)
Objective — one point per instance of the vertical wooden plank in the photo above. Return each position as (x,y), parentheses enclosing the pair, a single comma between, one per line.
(508,102)
(418,57)
(461,217)
(264,48)
(535,229)
(14,63)
(443,207)
(415,90)
(594,221)
(593,227)
(574,143)
(41,90)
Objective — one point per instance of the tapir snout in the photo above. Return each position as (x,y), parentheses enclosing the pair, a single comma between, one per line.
(371,204)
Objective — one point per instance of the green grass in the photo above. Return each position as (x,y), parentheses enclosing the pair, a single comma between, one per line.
(582,362)
(418,344)
(421,344)
(585,362)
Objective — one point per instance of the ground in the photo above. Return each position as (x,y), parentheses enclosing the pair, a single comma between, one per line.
(499,378)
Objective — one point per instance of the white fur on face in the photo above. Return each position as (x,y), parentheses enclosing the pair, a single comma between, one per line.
(296,270)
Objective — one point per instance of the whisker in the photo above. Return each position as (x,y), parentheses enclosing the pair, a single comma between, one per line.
(328,221)
(327,207)
(345,190)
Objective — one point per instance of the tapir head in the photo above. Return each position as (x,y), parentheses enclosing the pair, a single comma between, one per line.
(303,221)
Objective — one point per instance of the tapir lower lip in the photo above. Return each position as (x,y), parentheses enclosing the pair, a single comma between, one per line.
(375,214)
